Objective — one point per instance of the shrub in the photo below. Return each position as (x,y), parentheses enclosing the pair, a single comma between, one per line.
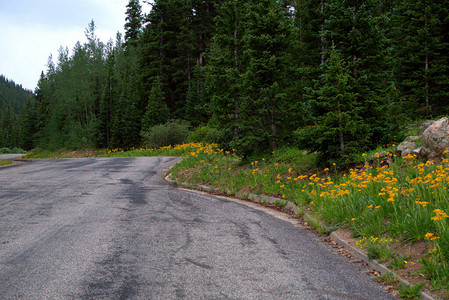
(15,150)
(171,133)
(204,134)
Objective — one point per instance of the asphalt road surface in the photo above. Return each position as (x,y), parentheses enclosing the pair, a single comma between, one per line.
(111,228)
(10,156)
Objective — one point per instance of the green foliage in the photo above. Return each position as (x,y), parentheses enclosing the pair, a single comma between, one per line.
(13,99)
(410,291)
(204,134)
(13,95)
(420,59)
(5,162)
(133,22)
(5,150)
(171,133)
(249,70)
(156,111)
(341,129)
(399,261)
(388,278)
(340,73)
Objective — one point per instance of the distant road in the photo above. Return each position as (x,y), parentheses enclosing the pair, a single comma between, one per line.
(111,228)
(10,156)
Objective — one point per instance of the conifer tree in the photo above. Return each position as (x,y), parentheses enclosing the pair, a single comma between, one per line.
(167,52)
(340,130)
(227,64)
(421,60)
(104,118)
(358,31)
(265,111)
(133,23)
(156,111)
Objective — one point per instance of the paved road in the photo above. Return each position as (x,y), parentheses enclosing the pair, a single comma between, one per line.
(10,156)
(112,228)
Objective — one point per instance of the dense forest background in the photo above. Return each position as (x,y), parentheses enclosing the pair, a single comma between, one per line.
(13,99)
(337,77)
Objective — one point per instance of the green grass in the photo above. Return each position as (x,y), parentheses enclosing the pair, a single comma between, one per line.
(388,278)
(5,162)
(410,291)
(399,262)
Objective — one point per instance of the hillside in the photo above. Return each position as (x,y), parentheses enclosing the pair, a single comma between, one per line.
(13,99)
(12,94)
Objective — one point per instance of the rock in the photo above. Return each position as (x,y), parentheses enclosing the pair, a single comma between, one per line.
(436,139)
(406,152)
(424,126)
(417,151)
(412,138)
(406,148)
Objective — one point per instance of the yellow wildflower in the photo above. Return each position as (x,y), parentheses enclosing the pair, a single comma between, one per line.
(439,215)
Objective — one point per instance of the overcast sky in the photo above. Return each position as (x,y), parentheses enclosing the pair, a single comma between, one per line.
(31,30)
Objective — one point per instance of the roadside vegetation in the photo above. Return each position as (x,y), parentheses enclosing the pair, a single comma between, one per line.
(282,108)
(6,150)
(5,162)
(386,202)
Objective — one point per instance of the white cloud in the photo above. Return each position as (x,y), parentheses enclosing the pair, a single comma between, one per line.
(31,30)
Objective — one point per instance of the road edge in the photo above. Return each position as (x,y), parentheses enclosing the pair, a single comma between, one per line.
(16,162)
(264,199)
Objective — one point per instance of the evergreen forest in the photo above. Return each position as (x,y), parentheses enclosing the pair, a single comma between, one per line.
(334,76)
(13,99)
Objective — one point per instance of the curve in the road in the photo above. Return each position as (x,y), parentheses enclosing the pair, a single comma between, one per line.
(112,228)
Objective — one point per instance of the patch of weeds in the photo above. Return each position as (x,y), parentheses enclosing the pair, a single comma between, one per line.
(378,251)
(399,261)
(301,211)
(410,291)
(377,248)
(374,251)
(295,156)
(436,269)
(316,224)
(280,203)
(388,278)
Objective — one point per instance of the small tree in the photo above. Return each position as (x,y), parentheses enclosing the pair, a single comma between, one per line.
(157,111)
(340,130)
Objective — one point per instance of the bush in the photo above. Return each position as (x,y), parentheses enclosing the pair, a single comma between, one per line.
(14,150)
(204,134)
(171,133)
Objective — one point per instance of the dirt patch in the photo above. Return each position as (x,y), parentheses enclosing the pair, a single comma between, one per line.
(82,153)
